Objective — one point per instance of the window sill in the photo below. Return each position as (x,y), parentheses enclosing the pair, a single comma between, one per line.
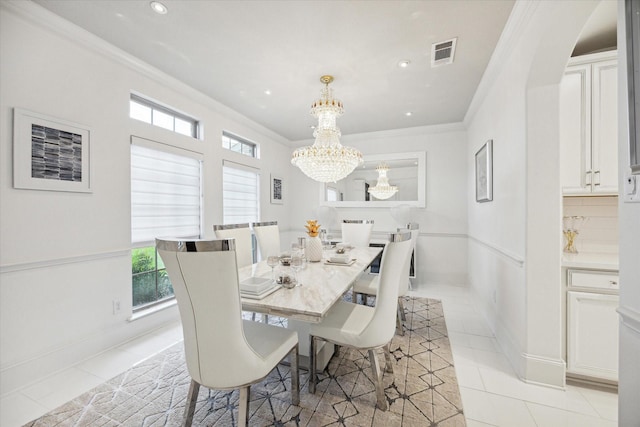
(151,310)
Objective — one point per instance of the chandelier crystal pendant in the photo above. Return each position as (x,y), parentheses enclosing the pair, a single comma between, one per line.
(326,160)
(383,190)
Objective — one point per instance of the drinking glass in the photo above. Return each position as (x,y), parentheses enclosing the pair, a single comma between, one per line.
(272,261)
(296,265)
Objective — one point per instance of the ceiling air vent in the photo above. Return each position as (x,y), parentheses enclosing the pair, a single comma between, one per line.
(442,53)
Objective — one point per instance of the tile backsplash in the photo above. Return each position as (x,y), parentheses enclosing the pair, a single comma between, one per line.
(599,233)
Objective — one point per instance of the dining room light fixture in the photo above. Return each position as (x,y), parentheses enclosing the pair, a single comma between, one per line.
(327,160)
(382,189)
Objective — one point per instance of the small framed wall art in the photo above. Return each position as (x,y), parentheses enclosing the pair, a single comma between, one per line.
(50,154)
(277,195)
(484,173)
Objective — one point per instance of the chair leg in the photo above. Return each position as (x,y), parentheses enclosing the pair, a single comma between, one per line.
(377,379)
(401,307)
(399,325)
(243,406)
(388,366)
(295,376)
(312,364)
(190,406)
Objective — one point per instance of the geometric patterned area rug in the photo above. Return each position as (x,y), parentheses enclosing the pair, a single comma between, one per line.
(422,391)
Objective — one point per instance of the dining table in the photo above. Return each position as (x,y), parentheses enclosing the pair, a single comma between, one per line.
(319,285)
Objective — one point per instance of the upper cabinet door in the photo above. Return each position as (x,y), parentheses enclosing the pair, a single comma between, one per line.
(605,127)
(588,125)
(575,130)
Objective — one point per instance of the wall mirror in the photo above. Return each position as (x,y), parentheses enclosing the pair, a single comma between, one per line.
(407,171)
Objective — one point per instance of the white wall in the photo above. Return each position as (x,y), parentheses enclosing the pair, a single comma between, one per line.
(65,256)
(514,243)
(629,222)
(442,251)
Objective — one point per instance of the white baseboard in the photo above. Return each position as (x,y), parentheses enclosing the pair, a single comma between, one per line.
(544,371)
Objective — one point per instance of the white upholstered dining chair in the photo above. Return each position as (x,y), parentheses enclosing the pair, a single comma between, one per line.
(363,327)
(357,232)
(222,350)
(244,242)
(368,286)
(268,237)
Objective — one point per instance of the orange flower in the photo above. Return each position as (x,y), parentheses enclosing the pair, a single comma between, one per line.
(313,228)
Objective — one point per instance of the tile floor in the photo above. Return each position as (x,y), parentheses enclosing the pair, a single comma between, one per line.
(491,393)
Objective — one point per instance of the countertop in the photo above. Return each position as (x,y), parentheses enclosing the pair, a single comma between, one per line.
(591,260)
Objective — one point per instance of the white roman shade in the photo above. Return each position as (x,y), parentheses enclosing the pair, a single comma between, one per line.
(166,192)
(241,193)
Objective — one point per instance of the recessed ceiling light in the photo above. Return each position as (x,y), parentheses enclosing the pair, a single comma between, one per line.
(267,92)
(404,64)
(158,7)
(408,113)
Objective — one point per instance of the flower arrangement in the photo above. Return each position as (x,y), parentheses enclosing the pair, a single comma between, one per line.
(313,228)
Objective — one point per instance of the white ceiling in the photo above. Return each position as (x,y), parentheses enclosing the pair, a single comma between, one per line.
(235,50)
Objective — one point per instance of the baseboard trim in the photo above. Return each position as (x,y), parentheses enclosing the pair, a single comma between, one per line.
(544,371)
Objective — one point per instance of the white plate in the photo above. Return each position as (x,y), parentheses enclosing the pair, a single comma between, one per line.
(255,285)
(269,291)
(328,262)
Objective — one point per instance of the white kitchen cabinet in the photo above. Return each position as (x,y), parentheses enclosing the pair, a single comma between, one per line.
(592,335)
(588,125)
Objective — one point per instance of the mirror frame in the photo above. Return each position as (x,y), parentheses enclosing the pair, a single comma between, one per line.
(422,173)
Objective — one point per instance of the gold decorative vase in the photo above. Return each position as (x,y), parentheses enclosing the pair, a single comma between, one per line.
(570,236)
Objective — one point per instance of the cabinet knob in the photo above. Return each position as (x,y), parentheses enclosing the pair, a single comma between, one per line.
(613,282)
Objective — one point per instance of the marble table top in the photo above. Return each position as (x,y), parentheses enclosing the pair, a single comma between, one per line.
(321,285)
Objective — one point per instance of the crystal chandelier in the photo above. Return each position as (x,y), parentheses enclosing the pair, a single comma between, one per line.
(326,160)
(383,190)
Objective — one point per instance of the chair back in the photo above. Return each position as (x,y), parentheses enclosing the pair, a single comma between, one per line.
(415,232)
(357,232)
(204,277)
(394,271)
(243,245)
(268,237)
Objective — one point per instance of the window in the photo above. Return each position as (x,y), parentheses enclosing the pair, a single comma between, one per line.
(239,145)
(158,115)
(165,202)
(241,197)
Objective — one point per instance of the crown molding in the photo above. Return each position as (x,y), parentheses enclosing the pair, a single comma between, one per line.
(520,16)
(43,18)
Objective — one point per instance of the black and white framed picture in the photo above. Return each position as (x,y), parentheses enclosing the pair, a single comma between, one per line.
(50,153)
(277,195)
(484,173)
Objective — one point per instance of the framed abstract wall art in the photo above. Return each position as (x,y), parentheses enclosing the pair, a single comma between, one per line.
(484,173)
(277,196)
(50,154)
